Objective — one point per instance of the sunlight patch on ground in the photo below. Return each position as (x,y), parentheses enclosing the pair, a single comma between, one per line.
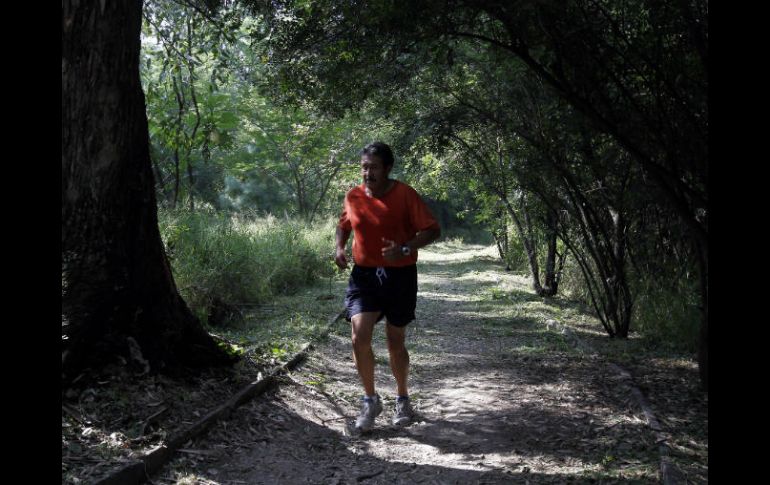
(434,295)
(414,451)
(443,252)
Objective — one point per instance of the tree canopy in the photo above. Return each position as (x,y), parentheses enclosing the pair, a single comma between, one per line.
(575,132)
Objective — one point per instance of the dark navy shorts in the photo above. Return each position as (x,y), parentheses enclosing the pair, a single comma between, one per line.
(392,291)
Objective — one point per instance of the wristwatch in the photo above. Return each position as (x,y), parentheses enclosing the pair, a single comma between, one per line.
(405,250)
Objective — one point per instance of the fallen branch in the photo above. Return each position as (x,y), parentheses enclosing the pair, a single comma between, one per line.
(139,471)
(74,414)
(152,419)
(198,452)
(669,473)
(361,478)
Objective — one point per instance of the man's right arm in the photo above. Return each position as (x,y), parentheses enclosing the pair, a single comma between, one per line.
(342,239)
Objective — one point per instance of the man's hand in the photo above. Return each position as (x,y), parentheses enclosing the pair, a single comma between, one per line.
(341,237)
(391,251)
(341,259)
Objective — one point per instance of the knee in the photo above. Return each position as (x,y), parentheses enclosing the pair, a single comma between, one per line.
(396,344)
(361,341)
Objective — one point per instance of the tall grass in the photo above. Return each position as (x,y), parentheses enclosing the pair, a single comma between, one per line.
(243,260)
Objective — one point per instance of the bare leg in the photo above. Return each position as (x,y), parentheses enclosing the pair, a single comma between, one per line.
(399,357)
(362,326)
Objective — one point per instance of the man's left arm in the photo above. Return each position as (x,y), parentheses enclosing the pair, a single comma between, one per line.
(423,238)
(392,250)
(419,216)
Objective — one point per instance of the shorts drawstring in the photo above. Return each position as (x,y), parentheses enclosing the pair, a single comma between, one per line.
(380,273)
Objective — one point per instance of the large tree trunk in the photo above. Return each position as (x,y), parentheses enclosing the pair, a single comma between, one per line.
(116,279)
(703,336)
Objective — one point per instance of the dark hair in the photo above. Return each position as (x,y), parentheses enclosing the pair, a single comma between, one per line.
(381,150)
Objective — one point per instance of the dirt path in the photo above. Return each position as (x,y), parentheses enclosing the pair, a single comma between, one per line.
(499,399)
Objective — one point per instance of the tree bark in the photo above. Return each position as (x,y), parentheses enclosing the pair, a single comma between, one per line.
(551,278)
(703,336)
(116,279)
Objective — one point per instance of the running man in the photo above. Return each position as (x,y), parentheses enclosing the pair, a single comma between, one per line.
(390,222)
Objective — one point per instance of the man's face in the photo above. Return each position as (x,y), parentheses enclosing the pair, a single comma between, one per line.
(374,173)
